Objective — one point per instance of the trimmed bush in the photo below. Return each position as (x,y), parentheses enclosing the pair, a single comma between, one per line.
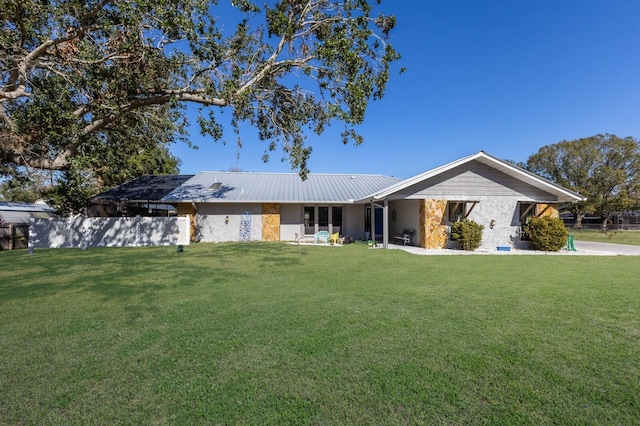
(468,233)
(547,233)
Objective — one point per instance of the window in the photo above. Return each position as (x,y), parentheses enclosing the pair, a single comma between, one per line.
(309,220)
(457,211)
(527,211)
(322,218)
(336,219)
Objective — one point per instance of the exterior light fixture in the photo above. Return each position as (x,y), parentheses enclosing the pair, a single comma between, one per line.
(226,220)
(492,223)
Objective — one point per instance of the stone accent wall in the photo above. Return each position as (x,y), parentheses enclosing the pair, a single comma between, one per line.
(552,211)
(187,209)
(271,222)
(433,227)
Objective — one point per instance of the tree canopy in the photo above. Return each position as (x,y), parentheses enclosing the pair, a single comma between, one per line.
(603,168)
(100,86)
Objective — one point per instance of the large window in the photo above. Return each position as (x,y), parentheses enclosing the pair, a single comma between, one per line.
(322,218)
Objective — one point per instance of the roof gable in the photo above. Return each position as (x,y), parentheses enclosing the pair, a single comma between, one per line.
(532,180)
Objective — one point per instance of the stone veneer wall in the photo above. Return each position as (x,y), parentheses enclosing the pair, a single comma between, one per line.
(433,227)
(187,209)
(551,211)
(271,222)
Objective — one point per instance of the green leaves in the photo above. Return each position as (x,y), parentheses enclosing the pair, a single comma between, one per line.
(468,233)
(547,233)
(604,168)
(75,72)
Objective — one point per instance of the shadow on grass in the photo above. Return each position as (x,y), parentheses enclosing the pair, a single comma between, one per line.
(135,274)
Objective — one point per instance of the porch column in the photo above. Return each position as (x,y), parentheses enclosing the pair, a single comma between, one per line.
(385,224)
(373,221)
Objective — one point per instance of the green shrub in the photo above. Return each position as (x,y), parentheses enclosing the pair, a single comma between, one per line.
(547,233)
(468,233)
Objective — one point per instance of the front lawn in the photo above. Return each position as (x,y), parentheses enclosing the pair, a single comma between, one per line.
(271,333)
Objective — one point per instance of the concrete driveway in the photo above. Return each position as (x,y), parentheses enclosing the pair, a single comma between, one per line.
(583,248)
(607,248)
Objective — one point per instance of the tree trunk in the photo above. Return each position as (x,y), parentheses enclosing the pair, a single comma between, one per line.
(605,221)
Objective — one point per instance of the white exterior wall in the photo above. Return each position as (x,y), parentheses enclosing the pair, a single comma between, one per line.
(407,217)
(211,226)
(353,221)
(505,211)
(83,232)
(290,221)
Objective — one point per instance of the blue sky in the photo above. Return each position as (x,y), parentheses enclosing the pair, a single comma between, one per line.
(503,76)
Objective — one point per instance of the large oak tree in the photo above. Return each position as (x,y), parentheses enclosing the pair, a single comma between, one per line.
(100,86)
(603,168)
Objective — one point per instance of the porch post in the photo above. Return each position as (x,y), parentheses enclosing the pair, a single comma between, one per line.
(373,221)
(385,224)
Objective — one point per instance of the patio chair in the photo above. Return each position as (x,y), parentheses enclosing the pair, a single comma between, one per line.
(405,237)
(335,238)
(321,236)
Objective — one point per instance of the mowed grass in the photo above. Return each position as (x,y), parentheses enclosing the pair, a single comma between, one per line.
(612,236)
(270,333)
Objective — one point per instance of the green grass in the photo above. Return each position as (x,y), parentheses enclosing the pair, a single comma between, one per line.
(269,333)
(613,236)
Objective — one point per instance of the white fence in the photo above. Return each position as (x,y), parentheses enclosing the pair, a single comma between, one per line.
(83,232)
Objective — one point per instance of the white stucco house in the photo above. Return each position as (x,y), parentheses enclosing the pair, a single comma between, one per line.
(236,206)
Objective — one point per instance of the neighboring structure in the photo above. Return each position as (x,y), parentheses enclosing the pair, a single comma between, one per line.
(238,206)
(14,222)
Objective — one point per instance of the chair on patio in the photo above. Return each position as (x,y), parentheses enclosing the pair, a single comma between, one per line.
(301,238)
(335,238)
(405,237)
(321,237)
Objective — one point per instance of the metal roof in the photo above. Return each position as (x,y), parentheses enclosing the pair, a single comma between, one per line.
(532,179)
(142,189)
(14,212)
(233,187)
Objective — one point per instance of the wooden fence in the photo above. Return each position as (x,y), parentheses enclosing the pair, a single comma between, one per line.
(13,236)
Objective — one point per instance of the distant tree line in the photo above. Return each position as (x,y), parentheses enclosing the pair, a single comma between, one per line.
(603,168)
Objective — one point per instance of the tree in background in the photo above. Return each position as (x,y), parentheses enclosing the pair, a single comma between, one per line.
(604,168)
(92,87)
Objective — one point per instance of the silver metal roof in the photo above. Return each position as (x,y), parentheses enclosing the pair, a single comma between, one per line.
(233,187)
(16,212)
